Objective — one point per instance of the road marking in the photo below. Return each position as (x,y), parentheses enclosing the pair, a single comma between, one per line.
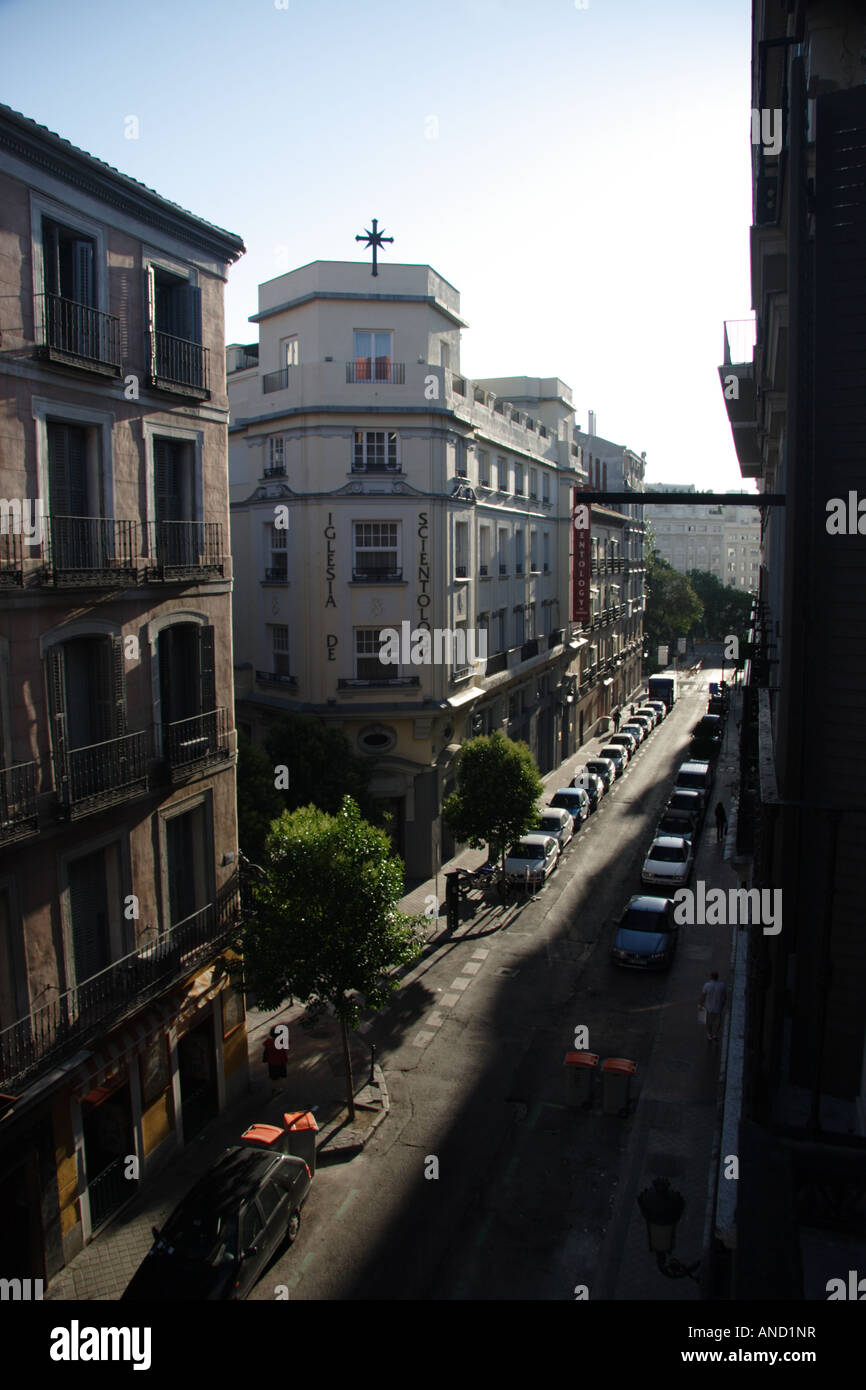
(434,1019)
(449,1000)
(482,953)
(460,983)
(341,1212)
(421,1039)
(472,967)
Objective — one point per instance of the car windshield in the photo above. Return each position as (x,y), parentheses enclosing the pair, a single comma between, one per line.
(692,779)
(202,1233)
(597,767)
(525,852)
(637,920)
(549,825)
(668,854)
(566,802)
(677,825)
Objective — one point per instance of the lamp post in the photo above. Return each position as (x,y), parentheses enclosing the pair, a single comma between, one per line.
(661,1207)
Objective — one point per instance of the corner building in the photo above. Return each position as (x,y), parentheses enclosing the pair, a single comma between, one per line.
(372,484)
(119,1034)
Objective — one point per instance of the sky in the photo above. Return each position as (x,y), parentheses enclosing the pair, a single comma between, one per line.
(578,171)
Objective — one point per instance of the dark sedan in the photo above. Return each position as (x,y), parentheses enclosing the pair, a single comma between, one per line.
(646,935)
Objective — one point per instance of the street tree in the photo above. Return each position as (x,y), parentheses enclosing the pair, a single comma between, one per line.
(726,609)
(672,606)
(497,789)
(326,926)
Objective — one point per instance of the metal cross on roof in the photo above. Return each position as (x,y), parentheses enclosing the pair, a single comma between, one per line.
(374,239)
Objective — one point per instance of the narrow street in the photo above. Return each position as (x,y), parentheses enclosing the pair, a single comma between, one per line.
(473,1051)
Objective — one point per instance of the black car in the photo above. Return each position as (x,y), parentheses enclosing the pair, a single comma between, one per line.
(707,736)
(683,823)
(220,1238)
(646,934)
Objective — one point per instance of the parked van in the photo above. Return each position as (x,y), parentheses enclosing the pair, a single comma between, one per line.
(695,777)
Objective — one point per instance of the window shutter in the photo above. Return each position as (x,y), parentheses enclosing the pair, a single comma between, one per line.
(207,669)
(88,909)
(151,318)
(55,674)
(187,299)
(83,272)
(118,686)
(167,479)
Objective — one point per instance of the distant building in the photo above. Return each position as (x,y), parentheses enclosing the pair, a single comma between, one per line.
(725,541)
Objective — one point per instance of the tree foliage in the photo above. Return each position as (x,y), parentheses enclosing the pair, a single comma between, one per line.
(672,606)
(726,610)
(497,789)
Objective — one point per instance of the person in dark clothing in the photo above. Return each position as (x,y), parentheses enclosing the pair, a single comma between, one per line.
(275,1052)
(616,720)
(721,822)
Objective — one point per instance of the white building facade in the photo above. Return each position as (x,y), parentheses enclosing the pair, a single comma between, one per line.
(726,541)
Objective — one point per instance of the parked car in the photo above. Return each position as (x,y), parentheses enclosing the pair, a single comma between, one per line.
(683,823)
(646,721)
(696,777)
(627,741)
(687,800)
(603,768)
(224,1232)
(616,754)
(646,935)
(650,713)
(555,821)
(669,863)
(659,706)
(707,736)
(717,704)
(592,785)
(637,730)
(531,859)
(575,800)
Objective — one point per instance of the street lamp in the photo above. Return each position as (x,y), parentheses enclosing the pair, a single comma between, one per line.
(661,1207)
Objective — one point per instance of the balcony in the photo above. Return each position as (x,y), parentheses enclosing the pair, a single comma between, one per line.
(89,551)
(496,663)
(276,575)
(392,682)
(77,335)
(11,560)
(376,369)
(376,574)
(274,678)
(503,570)
(178,365)
(529,649)
(275,381)
(482,570)
(461,572)
(184,550)
(58,1029)
(555,639)
(189,745)
(103,774)
(18,815)
(277,471)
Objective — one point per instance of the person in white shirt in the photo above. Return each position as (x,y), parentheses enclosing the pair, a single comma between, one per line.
(713,999)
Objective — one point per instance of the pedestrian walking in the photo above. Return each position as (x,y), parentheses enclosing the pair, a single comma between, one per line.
(275,1052)
(616,720)
(721,822)
(713,999)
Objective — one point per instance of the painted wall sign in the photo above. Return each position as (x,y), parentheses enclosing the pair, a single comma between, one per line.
(580,561)
(330,571)
(422,600)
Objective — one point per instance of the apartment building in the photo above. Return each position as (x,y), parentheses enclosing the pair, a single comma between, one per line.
(794,388)
(375,488)
(119,1033)
(724,541)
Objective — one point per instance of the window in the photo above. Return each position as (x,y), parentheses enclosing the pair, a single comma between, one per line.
(460,459)
(93,893)
(78,539)
(545,550)
(279,635)
(375,451)
(376,550)
(187,678)
(533,483)
(519,627)
(444,354)
(461,666)
(519,545)
(174,305)
(518,479)
(483,550)
(70,318)
(503,550)
(277,539)
(530,622)
(461,549)
(533,550)
(276,457)
(483,468)
(368,667)
(499,631)
(189,863)
(9,1010)
(372,355)
(289,351)
(179,538)
(501,474)
(545,487)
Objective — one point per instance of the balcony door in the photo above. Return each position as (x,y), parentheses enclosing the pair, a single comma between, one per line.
(175,318)
(187,688)
(179,539)
(80,538)
(94,899)
(87,709)
(69,272)
(372,356)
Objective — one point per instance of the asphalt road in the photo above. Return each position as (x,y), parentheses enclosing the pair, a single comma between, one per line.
(482,1184)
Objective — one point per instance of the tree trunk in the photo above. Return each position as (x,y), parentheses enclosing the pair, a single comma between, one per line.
(347,1054)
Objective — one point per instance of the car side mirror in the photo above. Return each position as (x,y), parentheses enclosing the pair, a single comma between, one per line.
(249,1252)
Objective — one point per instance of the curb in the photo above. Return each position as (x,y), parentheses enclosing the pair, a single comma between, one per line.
(353,1141)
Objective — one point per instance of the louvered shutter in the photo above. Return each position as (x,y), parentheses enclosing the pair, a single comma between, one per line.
(187,300)
(88,909)
(103,688)
(55,675)
(168,484)
(83,272)
(151,320)
(207,669)
(50,257)
(118,687)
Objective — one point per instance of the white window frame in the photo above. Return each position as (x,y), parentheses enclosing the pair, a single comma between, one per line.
(377,521)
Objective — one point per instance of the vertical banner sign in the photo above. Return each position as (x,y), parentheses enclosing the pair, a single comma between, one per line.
(580,552)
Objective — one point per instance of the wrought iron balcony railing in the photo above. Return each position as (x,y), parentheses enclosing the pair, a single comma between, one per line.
(275,381)
(11,559)
(277,470)
(102,774)
(376,574)
(358,683)
(78,334)
(18,813)
(376,369)
(496,663)
(64,1025)
(89,550)
(198,741)
(529,649)
(184,549)
(178,364)
(275,678)
(277,574)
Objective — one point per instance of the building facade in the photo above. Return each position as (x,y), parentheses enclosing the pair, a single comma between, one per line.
(723,541)
(119,1034)
(794,391)
(374,488)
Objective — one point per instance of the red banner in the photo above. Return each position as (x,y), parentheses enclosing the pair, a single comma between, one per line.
(581,608)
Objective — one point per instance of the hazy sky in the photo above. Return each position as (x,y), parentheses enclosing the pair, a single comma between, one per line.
(581,175)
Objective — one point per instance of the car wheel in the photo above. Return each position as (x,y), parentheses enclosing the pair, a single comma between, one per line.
(292,1227)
